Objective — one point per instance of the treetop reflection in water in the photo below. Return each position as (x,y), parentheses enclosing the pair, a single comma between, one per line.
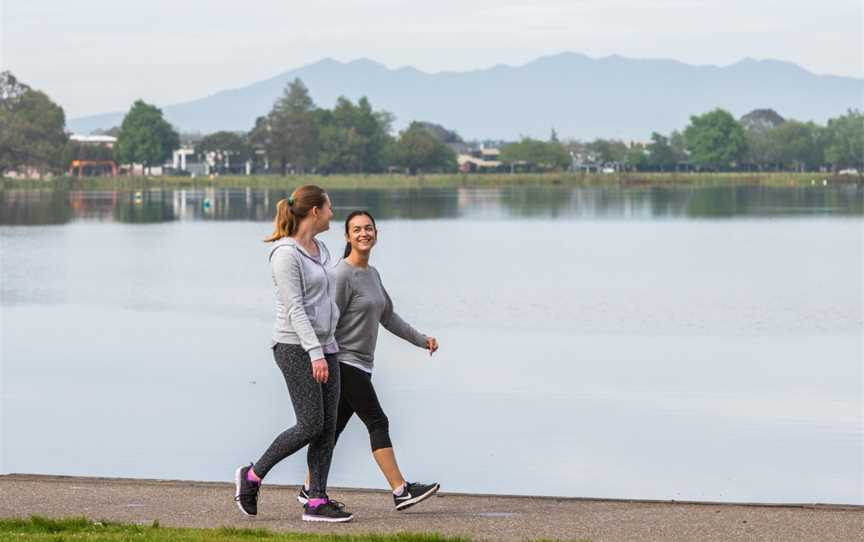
(34,207)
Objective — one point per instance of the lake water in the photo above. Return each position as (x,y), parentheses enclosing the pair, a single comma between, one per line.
(700,344)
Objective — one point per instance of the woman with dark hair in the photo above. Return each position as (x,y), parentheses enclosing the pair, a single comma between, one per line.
(363,304)
(304,347)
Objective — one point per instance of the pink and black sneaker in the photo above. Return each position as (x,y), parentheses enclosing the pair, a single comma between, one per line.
(246,491)
(328,511)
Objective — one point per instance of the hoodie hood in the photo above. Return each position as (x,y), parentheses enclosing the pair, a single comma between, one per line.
(291,242)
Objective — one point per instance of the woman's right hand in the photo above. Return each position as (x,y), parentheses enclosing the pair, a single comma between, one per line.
(319,370)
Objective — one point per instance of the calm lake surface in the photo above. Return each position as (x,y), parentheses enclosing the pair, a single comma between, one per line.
(703,344)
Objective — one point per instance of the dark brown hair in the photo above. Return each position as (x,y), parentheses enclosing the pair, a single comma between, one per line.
(348,220)
(290,210)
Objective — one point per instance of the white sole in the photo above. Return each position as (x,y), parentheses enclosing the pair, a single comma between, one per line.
(327,520)
(419,498)
(237,492)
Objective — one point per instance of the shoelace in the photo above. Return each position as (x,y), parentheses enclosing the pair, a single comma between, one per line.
(251,492)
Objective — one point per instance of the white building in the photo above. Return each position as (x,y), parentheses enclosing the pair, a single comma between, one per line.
(94,140)
(185,159)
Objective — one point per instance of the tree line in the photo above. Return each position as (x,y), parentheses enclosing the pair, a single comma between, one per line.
(761,140)
(297,136)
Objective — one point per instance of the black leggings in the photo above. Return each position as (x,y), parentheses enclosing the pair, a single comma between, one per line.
(358,396)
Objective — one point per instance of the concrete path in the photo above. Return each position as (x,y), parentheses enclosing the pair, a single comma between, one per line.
(480,517)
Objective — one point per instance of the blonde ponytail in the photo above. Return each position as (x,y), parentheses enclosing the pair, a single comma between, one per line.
(291,210)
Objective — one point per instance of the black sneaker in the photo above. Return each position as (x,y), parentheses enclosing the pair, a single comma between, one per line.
(414,493)
(330,511)
(303,496)
(246,492)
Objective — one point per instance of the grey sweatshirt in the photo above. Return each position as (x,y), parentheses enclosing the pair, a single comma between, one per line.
(306,312)
(363,304)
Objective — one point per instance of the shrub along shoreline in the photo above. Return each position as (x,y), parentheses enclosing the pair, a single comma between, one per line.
(396,181)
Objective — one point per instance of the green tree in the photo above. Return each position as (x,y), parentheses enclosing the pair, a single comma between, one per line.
(340,147)
(293,133)
(32,127)
(715,140)
(679,146)
(227,148)
(608,151)
(762,149)
(543,154)
(636,157)
(441,133)
(761,120)
(145,137)
(374,127)
(352,137)
(10,89)
(661,154)
(796,145)
(418,150)
(260,141)
(845,141)
(114,131)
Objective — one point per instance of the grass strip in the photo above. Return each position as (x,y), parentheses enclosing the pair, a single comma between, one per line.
(80,529)
(433,181)
(42,529)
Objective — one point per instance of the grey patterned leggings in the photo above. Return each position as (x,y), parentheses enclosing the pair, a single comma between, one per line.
(315,408)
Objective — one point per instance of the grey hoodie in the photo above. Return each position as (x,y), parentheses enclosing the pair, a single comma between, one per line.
(306,311)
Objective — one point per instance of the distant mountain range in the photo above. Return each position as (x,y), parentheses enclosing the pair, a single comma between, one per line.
(581,97)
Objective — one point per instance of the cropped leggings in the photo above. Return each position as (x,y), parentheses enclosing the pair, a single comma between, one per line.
(358,396)
(315,407)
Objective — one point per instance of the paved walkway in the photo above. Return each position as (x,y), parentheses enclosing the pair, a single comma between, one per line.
(480,517)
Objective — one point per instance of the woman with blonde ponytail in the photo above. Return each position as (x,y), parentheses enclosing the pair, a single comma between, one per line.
(304,347)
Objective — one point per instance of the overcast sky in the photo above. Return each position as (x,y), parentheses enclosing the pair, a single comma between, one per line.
(95,56)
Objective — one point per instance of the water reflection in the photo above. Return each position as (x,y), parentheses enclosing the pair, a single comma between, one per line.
(30,207)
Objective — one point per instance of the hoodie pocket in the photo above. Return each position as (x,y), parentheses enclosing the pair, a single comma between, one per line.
(312,314)
(319,319)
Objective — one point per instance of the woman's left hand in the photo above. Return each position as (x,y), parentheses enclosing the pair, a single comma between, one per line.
(320,371)
(431,345)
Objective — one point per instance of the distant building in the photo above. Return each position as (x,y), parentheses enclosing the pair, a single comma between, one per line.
(26,172)
(94,140)
(185,159)
(482,160)
(188,160)
(94,156)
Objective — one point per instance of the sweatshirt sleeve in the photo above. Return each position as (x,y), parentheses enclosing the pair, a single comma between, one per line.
(343,288)
(394,323)
(286,273)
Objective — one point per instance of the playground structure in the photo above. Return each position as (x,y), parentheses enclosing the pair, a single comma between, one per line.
(93,168)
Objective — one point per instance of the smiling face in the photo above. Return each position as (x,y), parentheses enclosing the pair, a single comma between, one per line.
(361,234)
